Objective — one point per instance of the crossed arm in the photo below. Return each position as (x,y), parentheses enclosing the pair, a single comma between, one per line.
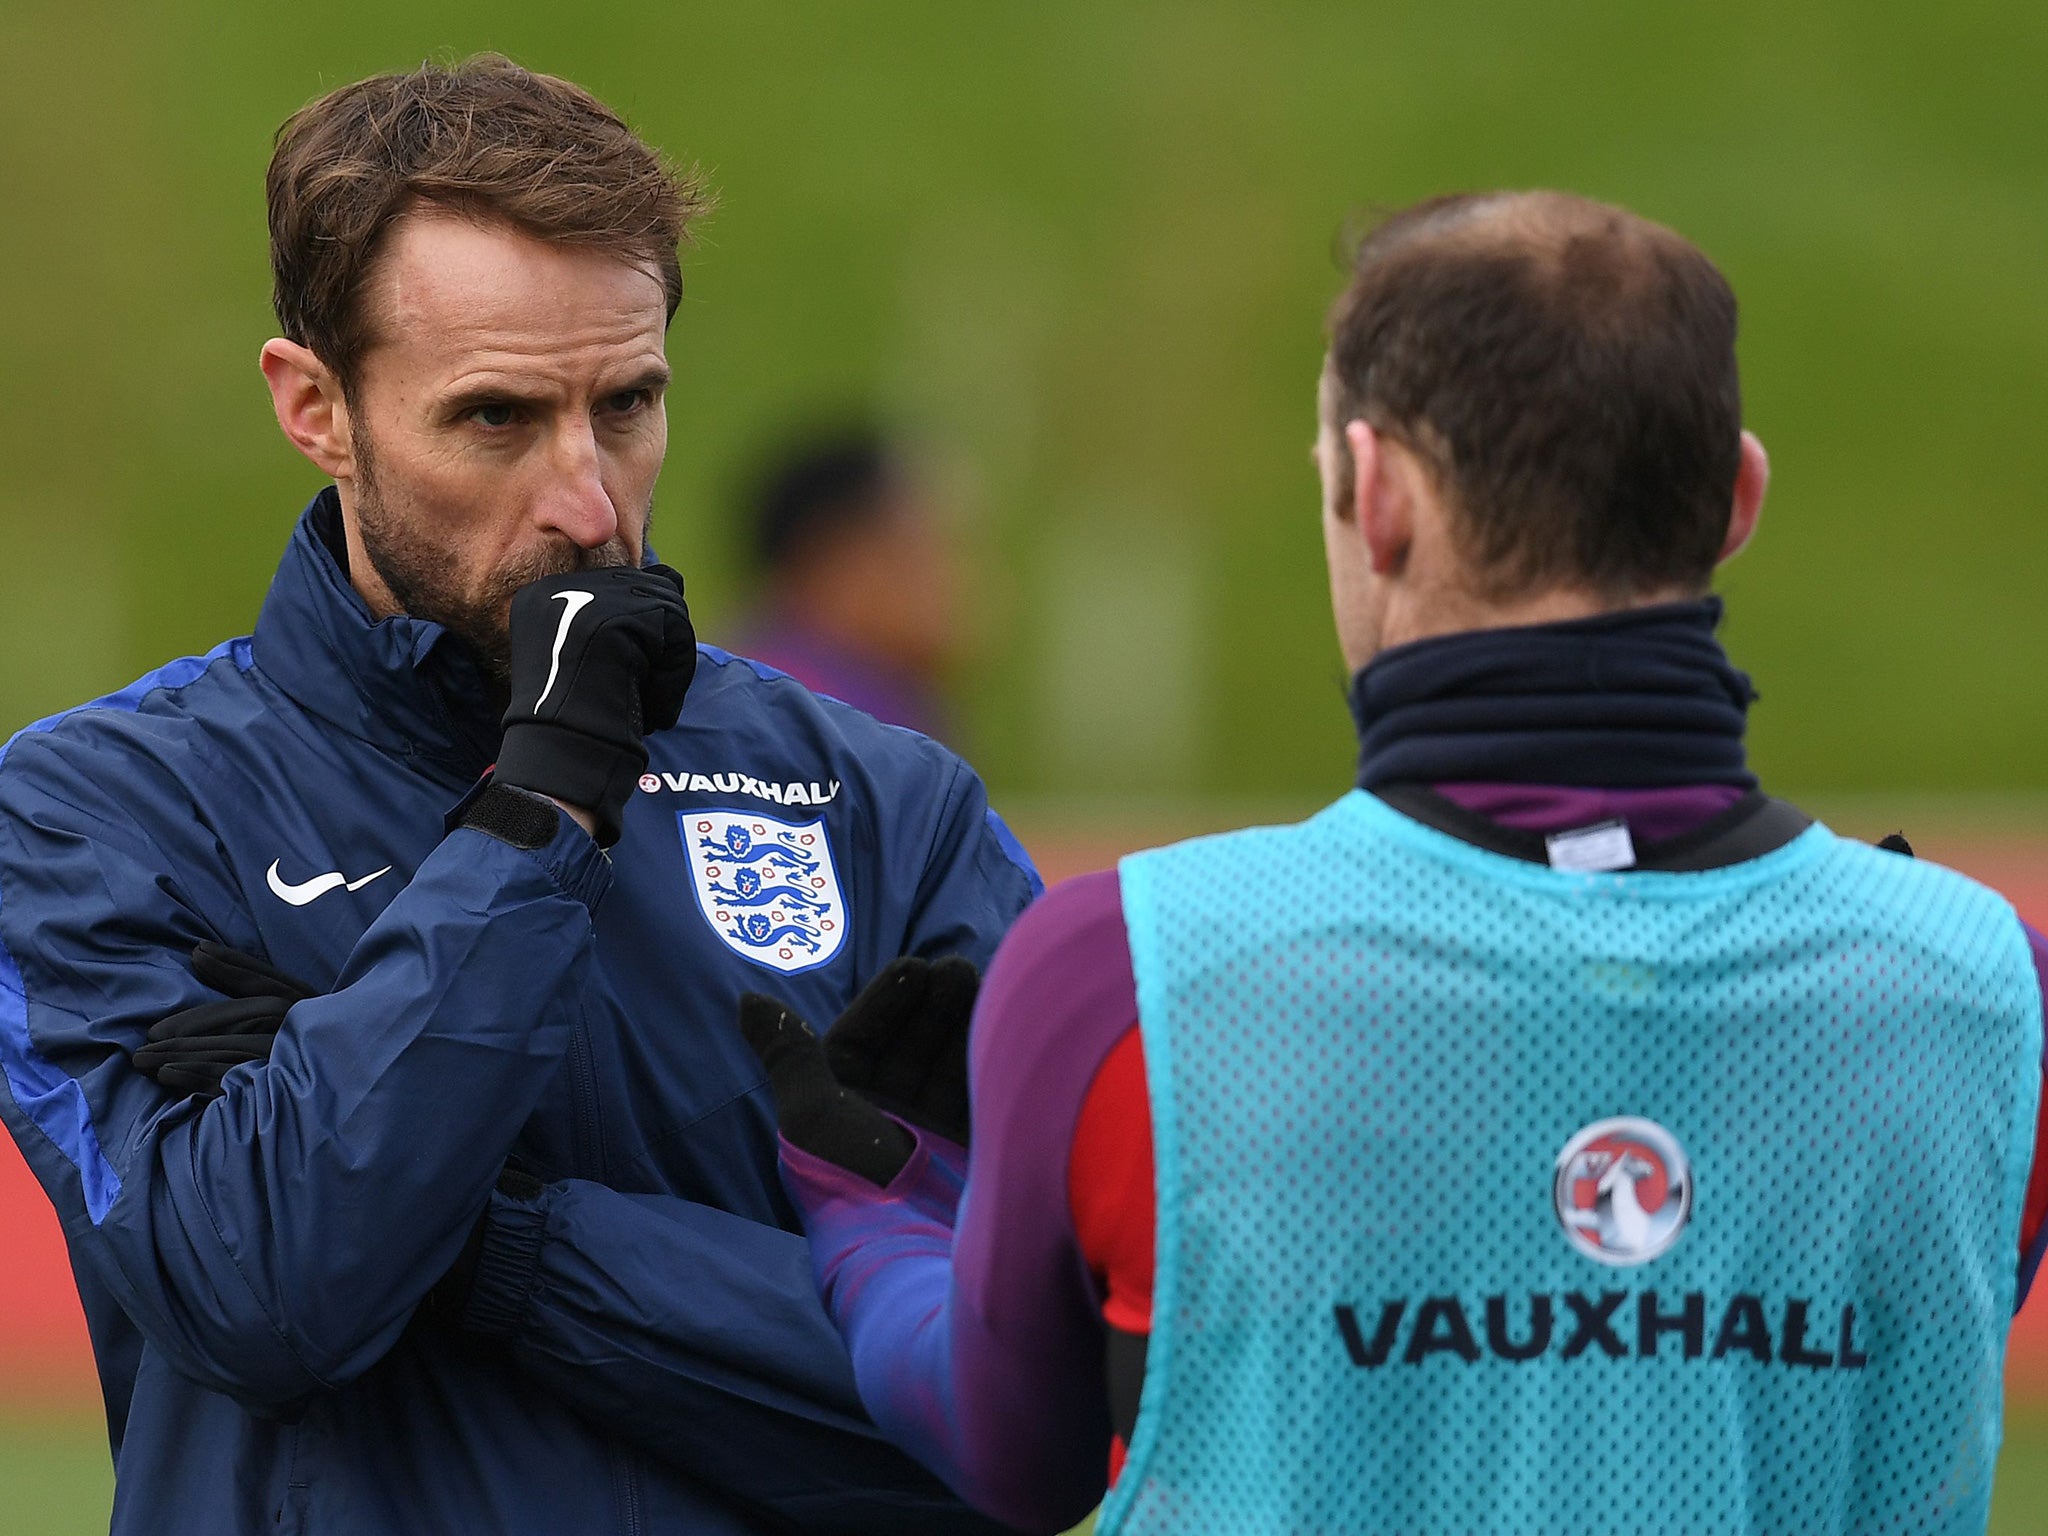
(275,1243)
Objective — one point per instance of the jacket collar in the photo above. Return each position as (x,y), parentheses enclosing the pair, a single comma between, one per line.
(403,684)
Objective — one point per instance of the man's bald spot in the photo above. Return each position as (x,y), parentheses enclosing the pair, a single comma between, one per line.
(1570,240)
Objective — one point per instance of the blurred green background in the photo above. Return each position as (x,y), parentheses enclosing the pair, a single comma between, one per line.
(1085,248)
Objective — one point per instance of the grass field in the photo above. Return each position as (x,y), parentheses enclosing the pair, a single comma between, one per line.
(54,1478)
(54,1482)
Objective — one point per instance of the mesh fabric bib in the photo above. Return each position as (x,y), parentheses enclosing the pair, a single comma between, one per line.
(1766,1289)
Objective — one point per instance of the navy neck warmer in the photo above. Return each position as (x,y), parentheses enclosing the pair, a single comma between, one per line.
(1638,699)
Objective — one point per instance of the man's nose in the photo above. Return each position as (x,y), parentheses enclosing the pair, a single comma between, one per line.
(575,502)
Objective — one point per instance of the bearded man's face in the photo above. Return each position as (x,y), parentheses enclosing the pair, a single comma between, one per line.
(408,554)
(507,423)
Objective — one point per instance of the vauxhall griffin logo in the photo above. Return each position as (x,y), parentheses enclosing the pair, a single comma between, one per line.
(1623,1190)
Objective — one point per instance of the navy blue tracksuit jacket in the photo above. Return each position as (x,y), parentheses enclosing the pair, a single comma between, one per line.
(643,1350)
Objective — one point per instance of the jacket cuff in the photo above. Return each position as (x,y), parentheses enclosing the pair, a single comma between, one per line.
(574,767)
(572,858)
(507,1264)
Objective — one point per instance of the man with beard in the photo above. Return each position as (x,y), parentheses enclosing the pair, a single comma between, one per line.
(460,1212)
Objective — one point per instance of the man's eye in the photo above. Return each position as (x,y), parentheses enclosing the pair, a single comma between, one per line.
(625,400)
(494,414)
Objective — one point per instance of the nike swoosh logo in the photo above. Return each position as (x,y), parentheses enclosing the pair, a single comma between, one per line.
(573,602)
(310,890)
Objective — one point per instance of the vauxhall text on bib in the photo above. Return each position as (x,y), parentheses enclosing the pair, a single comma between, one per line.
(1499,1198)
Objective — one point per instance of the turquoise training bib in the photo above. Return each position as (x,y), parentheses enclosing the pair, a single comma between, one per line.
(1497,1198)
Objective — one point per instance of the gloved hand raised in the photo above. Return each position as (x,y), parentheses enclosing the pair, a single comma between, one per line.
(901,1045)
(599,658)
(190,1051)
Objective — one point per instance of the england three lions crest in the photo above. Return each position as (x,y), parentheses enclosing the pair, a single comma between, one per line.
(766,887)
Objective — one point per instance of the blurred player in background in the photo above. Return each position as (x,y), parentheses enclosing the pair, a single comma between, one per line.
(860,577)
(1556,1134)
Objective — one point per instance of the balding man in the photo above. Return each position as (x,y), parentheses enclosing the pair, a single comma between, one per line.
(1554,1134)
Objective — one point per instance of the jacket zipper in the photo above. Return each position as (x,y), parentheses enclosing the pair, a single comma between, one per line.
(626,1487)
(589,1125)
(588,1137)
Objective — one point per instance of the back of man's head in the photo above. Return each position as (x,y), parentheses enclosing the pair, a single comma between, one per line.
(483,139)
(815,490)
(1566,370)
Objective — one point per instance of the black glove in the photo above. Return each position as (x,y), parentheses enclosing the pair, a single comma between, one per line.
(189,1052)
(902,1045)
(599,658)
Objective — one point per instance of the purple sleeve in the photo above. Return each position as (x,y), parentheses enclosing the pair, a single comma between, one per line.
(882,1259)
(2034,1222)
(975,1331)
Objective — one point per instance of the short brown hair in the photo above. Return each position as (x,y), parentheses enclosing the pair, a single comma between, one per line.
(1566,370)
(483,138)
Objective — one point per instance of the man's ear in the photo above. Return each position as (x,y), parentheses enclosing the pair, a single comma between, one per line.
(310,410)
(1381,502)
(1752,479)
